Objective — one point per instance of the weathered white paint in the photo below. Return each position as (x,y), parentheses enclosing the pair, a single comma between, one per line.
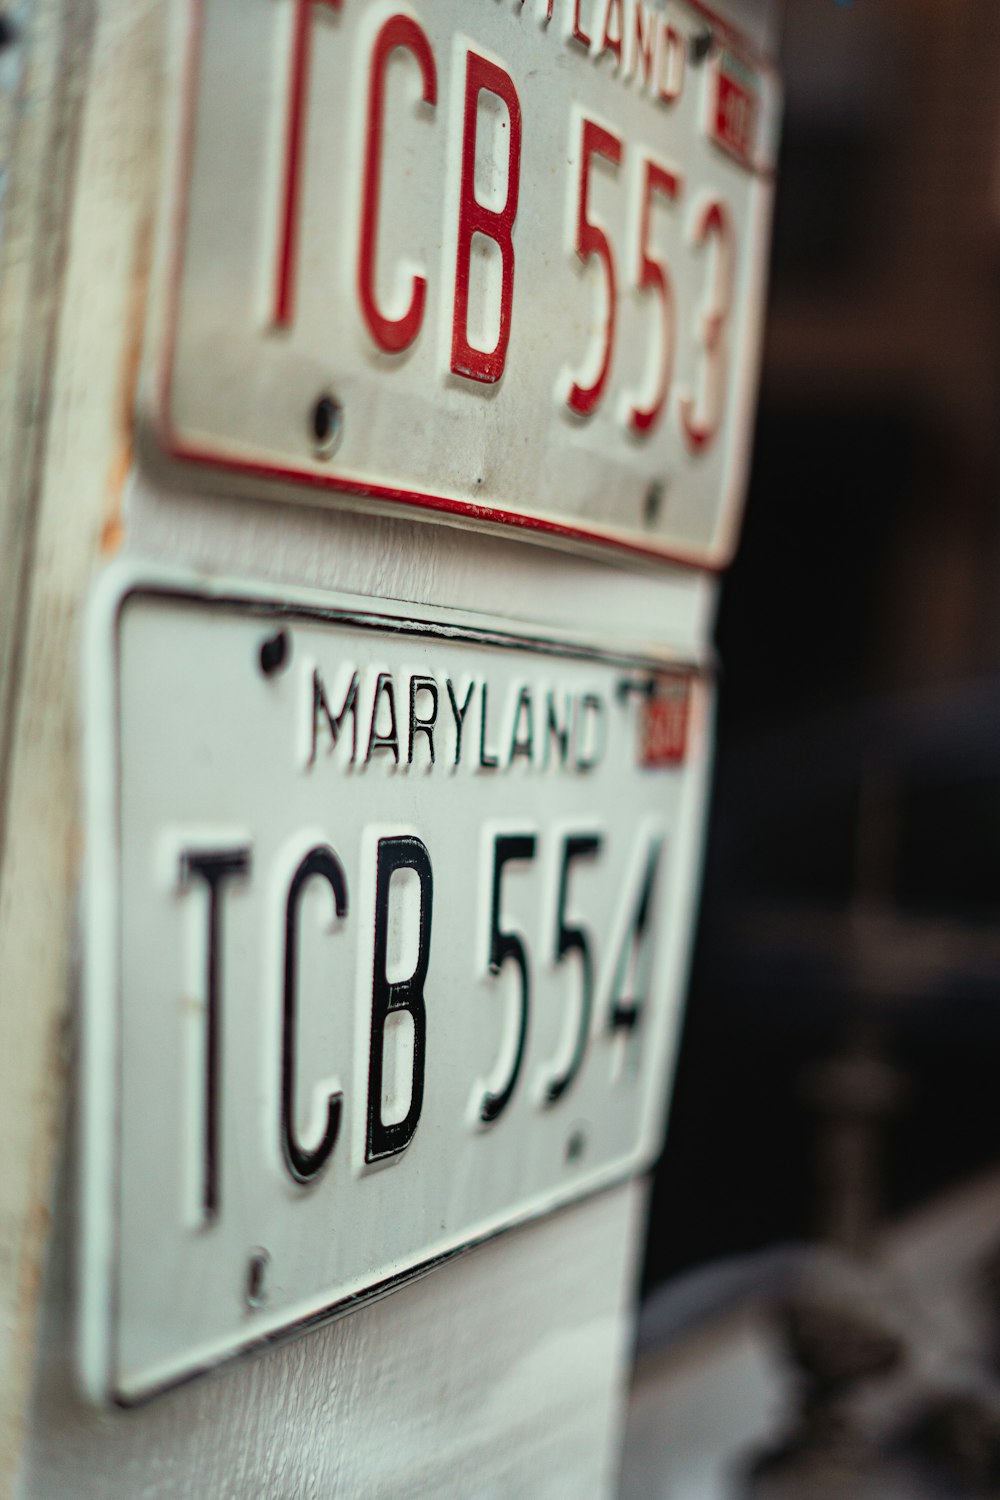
(415,1404)
(73,490)
(502,1376)
(40,89)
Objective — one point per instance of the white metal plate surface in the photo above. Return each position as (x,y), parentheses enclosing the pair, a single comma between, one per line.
(427,214)
(227,1001)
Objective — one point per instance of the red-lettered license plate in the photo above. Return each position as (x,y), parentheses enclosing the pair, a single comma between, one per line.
(387,922)
(498,261)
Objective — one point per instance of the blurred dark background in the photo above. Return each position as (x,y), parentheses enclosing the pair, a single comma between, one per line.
(841,1053)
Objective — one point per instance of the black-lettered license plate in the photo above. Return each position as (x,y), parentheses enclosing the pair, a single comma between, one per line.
(387,925)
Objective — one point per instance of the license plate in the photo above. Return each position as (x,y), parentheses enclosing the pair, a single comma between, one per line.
(498,262)
(387,923)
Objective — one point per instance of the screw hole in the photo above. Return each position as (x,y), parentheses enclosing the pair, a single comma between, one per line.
(275,653)
(700,45)
(256,1288)
(8,33)
(653,503)
(576,1145)
(327,422)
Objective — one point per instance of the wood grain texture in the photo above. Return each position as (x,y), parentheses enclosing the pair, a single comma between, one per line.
(75,487)
(41,82)
(499,1376)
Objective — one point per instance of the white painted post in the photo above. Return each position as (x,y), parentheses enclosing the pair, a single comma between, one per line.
(500,1374)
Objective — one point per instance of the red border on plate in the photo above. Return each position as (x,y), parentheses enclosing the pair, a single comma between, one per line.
(218,459)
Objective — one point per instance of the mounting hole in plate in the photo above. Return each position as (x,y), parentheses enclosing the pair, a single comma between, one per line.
(652,505)
(326,424)
(275,653)
(700,45)
(576,1144)
(256,1283)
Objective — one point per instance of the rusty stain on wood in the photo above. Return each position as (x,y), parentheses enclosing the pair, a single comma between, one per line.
(113,530)
(96,139)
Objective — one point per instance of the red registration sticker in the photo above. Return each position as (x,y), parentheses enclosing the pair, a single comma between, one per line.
(665,723)
(735,118)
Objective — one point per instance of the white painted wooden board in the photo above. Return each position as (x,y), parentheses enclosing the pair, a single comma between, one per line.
(408,1380)
(502,1377)
(63,487)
